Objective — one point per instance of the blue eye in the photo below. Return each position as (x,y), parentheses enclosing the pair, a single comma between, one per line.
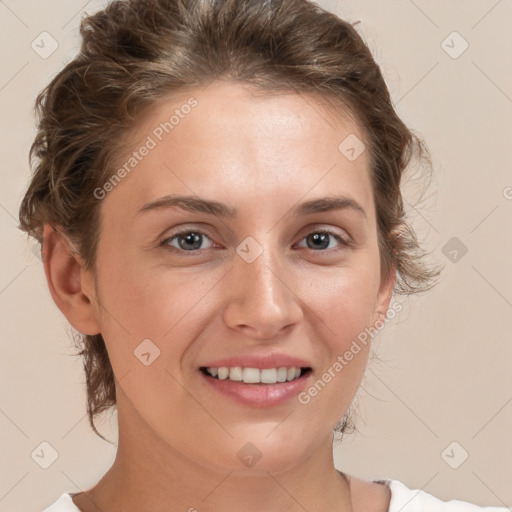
(320,239)
(192,240)
(186,239)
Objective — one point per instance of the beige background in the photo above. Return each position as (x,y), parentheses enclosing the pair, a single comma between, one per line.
(444,368)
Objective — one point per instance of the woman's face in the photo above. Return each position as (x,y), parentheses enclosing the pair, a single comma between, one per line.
(251,279)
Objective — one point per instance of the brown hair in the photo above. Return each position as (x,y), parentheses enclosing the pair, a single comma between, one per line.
(135,52)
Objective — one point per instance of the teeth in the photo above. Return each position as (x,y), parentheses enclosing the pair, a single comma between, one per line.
(223,373)
(235,373)
(255,375)
(269,376)
(251,375)
(281,374)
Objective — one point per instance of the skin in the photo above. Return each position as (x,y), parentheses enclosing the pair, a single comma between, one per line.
(178,438)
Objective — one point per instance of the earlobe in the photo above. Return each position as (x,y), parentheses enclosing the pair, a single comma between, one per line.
(384,296)
(66,280)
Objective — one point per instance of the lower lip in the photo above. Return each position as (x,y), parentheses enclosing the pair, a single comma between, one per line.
(258,395)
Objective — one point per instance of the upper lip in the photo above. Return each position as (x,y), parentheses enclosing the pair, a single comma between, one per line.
(258,361)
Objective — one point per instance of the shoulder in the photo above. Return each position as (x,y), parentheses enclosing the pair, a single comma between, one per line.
(369,496)
(394,496)
(404,499)
(63,504)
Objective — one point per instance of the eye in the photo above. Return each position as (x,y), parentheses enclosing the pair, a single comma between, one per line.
(321,239)
(192,240)
(187,241)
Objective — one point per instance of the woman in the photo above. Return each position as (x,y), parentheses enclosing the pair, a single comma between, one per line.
(217,193)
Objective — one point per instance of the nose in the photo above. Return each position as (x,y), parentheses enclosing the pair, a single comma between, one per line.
(262,300)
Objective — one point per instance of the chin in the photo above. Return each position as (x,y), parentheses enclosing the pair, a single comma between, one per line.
(259,453)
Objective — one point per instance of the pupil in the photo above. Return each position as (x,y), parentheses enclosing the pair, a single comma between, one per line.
(190,238)
(322,238)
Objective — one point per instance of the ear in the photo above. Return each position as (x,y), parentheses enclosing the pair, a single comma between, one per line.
(71,287)
(384,295)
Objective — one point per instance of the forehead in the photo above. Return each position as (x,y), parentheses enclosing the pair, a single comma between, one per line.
(230,140)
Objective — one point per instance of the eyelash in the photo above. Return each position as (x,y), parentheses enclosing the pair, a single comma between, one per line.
(343,241)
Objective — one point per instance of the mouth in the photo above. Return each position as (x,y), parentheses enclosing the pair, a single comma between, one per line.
(257,388)
(256,380)
(250,375)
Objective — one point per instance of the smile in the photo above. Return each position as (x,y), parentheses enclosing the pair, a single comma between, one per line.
(256,375)
(257,387)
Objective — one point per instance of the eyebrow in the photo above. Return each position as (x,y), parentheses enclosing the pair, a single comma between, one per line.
(197,204)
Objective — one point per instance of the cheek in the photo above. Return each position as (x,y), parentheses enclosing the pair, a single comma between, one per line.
(177,309)
(146,324)
(342,308)
(346,309)
(163,305)
(344,300)
(166,304)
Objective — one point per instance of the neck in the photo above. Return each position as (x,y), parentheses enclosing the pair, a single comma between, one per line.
(149,474)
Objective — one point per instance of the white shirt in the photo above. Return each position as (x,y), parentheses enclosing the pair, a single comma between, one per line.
(403,499)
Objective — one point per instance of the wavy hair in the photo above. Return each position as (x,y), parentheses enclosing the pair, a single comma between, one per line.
(134,53)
